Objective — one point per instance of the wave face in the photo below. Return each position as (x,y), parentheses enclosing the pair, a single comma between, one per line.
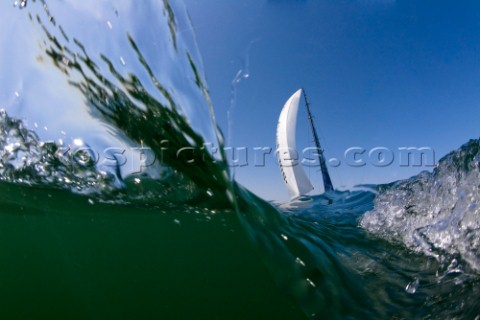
(91,82)
(102,217)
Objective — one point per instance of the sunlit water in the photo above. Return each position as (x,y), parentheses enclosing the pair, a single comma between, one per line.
(100,217)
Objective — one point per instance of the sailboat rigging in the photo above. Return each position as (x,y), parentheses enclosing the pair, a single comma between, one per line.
(327,181)
(294,176)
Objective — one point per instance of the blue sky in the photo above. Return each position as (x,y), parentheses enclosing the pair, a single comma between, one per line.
(378,73)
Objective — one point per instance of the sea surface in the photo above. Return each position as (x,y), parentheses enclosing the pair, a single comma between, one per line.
(102,218)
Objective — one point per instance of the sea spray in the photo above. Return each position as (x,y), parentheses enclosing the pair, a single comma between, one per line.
(435,213)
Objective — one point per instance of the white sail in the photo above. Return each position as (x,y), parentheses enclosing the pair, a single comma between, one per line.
(289,159)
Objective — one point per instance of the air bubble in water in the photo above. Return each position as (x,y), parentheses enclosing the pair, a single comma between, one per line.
(310,282)
(230,196)
(300,262)
(78,142)
(21,4)
(412,286)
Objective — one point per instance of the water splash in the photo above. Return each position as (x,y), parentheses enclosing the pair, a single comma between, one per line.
(27,160)
(242,74)
(435,213)
(123,87)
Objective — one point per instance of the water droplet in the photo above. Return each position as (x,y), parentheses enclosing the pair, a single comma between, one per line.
(453,264)
(230,196)
(284,237)
(176,221)
(122,61)
(137,180)
(9,148)
(454,267)
(21,4)
(17,94)
(90,201)
(412,286)
(300,262)
(225,175)
(109,24)
(66,61)
(78,142)
(310,282)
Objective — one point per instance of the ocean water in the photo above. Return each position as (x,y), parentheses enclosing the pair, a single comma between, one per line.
(101,218)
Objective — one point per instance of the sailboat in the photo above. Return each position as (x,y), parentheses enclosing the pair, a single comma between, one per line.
(295,178)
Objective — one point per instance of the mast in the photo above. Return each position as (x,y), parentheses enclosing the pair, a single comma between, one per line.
(327,182)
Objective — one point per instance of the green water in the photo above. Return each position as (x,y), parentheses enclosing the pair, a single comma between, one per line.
(64,258)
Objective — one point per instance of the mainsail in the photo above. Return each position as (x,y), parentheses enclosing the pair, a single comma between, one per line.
(293,174)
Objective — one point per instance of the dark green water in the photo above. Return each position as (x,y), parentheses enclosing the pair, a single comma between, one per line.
(84,235)
(64,258)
